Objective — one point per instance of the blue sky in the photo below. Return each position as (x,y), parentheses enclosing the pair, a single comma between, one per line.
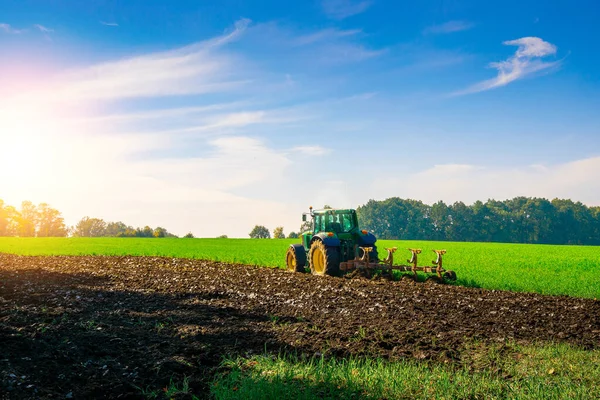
(215,117)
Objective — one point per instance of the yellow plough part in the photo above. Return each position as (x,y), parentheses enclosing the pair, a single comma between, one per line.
(364,263)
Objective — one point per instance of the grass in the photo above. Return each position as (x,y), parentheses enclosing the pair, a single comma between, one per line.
(499,372)
(546,269)
(170,391)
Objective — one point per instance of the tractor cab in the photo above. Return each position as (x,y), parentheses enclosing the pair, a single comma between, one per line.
(338,223)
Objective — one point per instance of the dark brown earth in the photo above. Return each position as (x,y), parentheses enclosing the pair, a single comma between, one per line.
(109,327)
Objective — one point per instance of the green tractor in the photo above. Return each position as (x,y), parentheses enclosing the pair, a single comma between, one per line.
(333,243)
(334,239)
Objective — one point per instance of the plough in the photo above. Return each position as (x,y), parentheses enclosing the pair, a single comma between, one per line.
(365,263)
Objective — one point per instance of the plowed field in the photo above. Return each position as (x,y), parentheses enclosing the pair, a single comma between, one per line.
(110,327)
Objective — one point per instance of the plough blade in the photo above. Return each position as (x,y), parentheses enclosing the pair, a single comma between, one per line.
(387,265)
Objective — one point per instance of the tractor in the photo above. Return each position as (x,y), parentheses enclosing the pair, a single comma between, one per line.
(333,243)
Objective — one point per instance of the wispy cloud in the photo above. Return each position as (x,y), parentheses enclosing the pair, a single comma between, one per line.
(109,23)
(341,9)
(159,113)
(7,28)
(349,52)
(325,35)
(311,150)
(223,122)
(193,69)
(525,62)
(43,29)
(448,27)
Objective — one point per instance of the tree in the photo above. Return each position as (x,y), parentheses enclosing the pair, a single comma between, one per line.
(129,232)
(159,232)
(292,235)
(145,232)
(12,217)
(222,237)
(90,227)
(3,219)
(306,226)
(189,235)
(439,217)
(50,222)
(260,232)
(9,217)
(278,233)
(28,219)
(116,229)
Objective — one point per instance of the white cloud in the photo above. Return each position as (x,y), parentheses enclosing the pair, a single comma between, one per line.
(449,27)
(577,180)
(349,52)
(109,23)
(233,120)
(341,9)
(43,29)
(193,69)
(325,35)
(128,167)
(311,150)
(7,28)
(101,174)
(532,47)
(525,62)
(159,113)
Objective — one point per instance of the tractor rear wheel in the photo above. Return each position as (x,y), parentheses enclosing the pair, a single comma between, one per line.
(295,258)
(324,260)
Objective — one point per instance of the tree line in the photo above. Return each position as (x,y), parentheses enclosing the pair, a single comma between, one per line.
(31,220)
(96,227)
(262,232)
(518,220)
(44,221)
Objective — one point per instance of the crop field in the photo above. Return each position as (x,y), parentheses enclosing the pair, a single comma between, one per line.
(544,269)
(141,318)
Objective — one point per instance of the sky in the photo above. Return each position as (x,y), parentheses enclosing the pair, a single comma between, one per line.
(212,117)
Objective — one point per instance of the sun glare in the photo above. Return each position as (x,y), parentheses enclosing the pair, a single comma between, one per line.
(25,154)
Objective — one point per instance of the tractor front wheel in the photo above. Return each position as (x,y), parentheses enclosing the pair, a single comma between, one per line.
(295,258)
(324,260)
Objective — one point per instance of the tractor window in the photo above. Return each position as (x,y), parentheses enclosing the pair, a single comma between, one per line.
(347,222)
(320,223)
(338,223)
(334,224)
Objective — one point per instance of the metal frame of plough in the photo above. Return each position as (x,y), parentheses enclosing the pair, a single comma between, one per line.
(387,265)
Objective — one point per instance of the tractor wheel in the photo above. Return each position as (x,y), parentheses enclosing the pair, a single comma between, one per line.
(295,258)
(324,260)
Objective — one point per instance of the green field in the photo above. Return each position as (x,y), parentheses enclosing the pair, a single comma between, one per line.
(546,269)
(533,371)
